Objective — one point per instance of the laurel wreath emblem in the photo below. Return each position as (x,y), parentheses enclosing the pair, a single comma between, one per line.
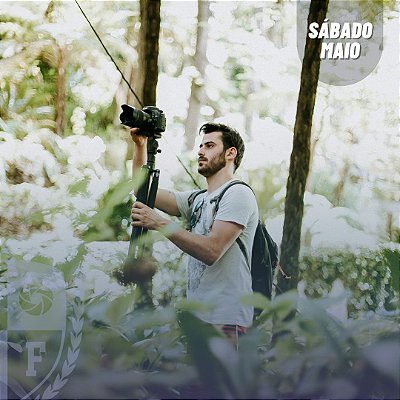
(72,355)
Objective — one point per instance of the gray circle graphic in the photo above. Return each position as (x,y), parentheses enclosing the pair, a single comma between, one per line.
(352,35)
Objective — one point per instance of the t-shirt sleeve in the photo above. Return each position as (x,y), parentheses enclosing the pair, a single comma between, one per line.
(237,205)
(182,203)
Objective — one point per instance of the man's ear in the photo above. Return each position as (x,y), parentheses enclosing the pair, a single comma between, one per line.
(231,153)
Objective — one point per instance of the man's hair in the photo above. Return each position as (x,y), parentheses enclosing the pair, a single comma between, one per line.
(230,138)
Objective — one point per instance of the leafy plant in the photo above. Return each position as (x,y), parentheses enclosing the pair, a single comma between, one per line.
(365,273)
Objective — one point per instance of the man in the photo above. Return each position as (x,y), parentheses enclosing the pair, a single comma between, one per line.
(218,273)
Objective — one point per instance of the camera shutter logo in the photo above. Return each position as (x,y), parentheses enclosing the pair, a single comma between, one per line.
(35,344)
(36,301)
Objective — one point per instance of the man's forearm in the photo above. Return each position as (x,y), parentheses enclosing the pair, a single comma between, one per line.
(206,248)
(198,246)
(139,158)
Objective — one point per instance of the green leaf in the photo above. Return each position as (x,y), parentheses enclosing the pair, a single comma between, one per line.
(250,363)
(257,300)
(281,307)
(213,374)
(149,319)
(115,196)
(42,260)
(385,357)
(118,308)
(325,326)
(192,305)
(79,187)
(69,267)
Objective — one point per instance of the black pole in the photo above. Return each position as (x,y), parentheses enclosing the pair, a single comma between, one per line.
(145,196)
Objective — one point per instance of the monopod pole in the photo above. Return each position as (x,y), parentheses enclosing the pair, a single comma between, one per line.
(145,196)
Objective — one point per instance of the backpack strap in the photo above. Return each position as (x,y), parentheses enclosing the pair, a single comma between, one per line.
(217,201)
(191,200)
(243,250)
(193,196)
(219,197)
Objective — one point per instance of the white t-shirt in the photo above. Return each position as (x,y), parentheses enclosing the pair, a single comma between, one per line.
(224,283)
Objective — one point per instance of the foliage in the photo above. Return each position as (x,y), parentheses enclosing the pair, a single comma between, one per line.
(309,356)
(168,353)
(364,273)
(53,178)
(314,355)
(112,219)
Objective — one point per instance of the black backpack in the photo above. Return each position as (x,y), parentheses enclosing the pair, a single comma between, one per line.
(264,257)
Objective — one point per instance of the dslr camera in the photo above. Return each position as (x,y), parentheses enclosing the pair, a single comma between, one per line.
(151,120)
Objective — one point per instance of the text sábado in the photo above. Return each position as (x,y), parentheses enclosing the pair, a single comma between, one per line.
(338,50)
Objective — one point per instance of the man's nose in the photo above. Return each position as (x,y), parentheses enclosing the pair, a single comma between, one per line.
(200,152)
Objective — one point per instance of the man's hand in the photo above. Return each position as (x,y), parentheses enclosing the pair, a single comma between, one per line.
(138,138)
(145,217)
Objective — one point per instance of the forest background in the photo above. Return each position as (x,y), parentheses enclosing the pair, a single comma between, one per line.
(65,183)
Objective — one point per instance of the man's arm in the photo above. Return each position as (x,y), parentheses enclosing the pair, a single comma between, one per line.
(165,199)
(208,249)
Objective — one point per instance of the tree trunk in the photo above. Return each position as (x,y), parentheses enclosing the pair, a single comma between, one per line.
(300,157)
(146,86)
(60,95)
(148,51)
(197,95)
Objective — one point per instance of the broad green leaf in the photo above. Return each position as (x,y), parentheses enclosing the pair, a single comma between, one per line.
(257,300)
(214,375)
(118,308)
(115,196)
(192,305)
(385,357)
(42,260)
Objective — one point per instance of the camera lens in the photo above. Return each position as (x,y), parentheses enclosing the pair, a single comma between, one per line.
(135,118)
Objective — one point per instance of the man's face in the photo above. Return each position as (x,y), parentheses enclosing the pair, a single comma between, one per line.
(211,154)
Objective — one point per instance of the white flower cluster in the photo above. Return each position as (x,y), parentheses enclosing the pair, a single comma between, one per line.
(45,176)
(47,253)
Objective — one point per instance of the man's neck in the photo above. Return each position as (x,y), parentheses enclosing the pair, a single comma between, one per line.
(218,179)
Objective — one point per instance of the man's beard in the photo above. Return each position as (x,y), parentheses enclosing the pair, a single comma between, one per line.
(213,165)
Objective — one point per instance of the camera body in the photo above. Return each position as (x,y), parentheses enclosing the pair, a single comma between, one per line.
(151,120)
